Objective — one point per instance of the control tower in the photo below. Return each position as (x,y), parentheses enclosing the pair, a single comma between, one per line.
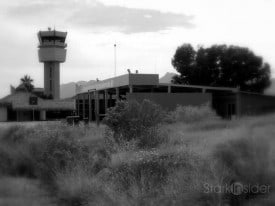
(52,52)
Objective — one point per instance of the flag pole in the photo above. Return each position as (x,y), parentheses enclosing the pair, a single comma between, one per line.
(115,58)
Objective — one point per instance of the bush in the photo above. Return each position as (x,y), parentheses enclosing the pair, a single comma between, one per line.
(43,151)
(15,156)
(57,153)
(59,157)
(190,114)
(144,176)
(15,134)
(77,186)
(248,159)
(16,161)
(134,121)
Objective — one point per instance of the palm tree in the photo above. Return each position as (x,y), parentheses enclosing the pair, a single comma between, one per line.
(27,81)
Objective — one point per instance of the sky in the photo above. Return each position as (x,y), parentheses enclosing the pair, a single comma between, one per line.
(146,32)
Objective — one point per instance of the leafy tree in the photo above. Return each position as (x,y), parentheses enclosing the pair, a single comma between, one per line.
(221,65)
(26,83)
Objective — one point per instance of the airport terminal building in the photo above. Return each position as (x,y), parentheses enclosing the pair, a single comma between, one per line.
(26,106)
(92,101)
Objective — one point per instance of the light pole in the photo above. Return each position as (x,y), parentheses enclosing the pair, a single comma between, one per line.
(115,58)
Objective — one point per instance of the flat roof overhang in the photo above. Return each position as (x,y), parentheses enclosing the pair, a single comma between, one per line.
(145,80)
(230,89)
(123,80)
(52,33)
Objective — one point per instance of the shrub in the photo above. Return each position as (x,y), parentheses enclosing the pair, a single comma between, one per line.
(191,186)
(21,191)
(248,159)
(15,156)
(15,134)
(77,186)
(41,151)
(144,176)
(56,153)
(154,165)
(190,114)
(152,137)
(16,161)
(134,121)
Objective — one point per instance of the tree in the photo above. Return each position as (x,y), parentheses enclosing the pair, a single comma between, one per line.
(221,65)
(26,82)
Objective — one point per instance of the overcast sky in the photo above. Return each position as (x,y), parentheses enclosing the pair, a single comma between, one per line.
(147,33)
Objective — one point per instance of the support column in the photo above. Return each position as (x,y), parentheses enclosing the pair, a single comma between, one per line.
(238,104)
(83,106)
(169,89)
(42,115)
(106,100)
(131,90)
(90,106)
(97,107)
(78,105)
(117,94)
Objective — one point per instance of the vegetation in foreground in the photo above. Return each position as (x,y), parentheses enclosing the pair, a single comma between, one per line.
(140,156)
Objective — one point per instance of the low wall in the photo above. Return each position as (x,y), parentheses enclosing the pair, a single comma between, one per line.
(169,101)
(251,104)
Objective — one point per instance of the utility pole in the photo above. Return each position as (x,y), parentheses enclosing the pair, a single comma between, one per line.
(115,58)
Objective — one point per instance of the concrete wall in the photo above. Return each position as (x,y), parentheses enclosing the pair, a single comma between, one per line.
(251,104)
(123,80)
(52,79)
(27,116)
(52,54)
(143,79)
(169,101)
(24,116)
(3,114)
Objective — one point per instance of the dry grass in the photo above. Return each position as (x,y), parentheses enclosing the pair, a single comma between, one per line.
(23,192)
(172,173)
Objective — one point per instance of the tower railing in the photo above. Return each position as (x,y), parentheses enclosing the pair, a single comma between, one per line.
(53,44)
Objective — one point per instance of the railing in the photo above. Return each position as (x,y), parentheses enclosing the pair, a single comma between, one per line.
(55,43)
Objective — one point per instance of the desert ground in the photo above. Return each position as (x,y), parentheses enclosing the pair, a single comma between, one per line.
(52,163)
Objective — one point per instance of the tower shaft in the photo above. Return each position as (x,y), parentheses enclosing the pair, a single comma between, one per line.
(52,79)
